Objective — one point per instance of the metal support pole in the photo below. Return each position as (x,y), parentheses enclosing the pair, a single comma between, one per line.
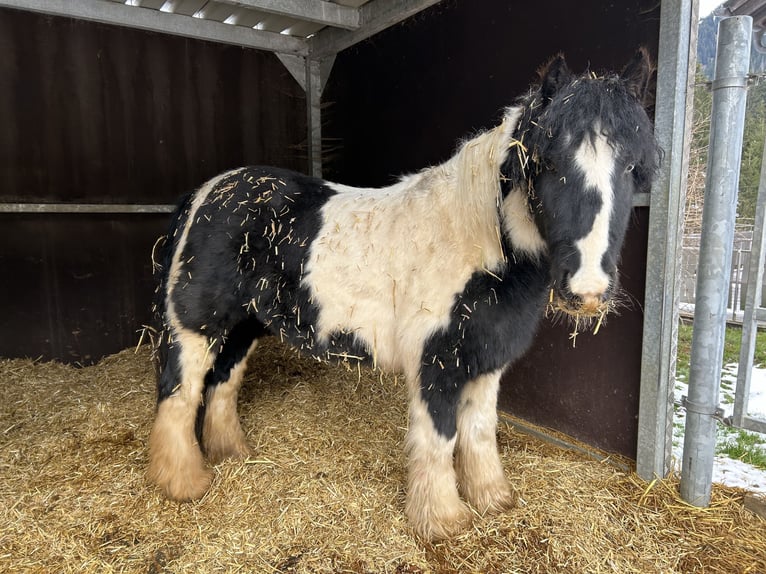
(719,212)
(675,74)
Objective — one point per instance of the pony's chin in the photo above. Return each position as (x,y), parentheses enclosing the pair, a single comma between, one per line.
(588,311)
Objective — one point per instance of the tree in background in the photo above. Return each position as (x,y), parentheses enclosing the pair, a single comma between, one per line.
(752,151)
(695,189)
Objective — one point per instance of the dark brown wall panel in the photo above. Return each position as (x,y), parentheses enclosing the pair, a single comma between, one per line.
(402,100)
(92,113)
(77,286)
(588,387)
(96,113)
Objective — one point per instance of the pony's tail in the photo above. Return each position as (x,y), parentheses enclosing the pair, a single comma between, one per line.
(162,256)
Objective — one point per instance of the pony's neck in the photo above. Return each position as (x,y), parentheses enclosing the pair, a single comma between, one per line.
(472,183)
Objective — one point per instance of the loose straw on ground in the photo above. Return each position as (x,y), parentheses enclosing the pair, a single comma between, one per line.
(323,491)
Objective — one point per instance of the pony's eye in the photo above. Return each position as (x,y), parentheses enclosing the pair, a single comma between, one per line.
(630,167)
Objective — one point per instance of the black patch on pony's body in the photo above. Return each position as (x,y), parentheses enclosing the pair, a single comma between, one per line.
(245,251)
(233,351)
(492,323)
(243,264)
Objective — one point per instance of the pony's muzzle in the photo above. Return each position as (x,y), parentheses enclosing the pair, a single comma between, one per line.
(587,303)
(590,303)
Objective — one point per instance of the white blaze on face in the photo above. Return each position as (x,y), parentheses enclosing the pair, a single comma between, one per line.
(595,160)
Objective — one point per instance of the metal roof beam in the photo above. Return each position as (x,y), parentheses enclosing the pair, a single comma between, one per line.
(157,21)
(374,17)
(319,11)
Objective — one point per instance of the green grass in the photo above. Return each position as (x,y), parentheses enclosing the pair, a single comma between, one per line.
(731,346)
(745,446)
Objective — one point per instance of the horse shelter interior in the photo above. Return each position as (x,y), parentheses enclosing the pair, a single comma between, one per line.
(118,117)
(111,110)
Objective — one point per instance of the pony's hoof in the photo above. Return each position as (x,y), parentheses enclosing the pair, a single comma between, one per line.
(492,498)
(176,464)
(237,450)
(442,523)
(181,486)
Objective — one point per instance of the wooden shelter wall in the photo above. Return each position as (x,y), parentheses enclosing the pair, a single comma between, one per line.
(403,99)
(101,114)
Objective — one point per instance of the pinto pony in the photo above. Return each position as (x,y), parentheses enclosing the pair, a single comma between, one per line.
(442,276)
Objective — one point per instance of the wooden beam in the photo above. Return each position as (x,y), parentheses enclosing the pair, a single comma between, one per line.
(157,21)
(375,16)
(109,208)
(319,11)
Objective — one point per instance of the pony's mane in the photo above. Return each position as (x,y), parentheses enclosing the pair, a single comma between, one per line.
(474,176)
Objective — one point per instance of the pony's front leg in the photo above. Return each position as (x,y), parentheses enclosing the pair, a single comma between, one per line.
(176,464)
(433,504)
(480,472)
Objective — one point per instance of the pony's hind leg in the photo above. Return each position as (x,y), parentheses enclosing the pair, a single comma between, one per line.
(433,504)
(480,472)
(176,464)
(222,435)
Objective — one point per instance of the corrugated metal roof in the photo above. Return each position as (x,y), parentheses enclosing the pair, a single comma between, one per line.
(316,28)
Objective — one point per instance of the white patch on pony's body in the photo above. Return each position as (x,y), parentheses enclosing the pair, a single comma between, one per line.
(595,159)
(387,263)
(519,225)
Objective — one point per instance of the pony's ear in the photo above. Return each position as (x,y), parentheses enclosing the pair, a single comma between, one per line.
(553,76)
(637,74)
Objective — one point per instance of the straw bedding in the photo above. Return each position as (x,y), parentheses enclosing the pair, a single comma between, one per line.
(323,491)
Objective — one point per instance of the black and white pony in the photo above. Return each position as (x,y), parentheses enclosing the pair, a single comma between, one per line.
(442,276)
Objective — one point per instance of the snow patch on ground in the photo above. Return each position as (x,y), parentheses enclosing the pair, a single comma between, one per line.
(728,471)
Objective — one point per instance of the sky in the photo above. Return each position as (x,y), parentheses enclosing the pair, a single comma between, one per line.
(707,6)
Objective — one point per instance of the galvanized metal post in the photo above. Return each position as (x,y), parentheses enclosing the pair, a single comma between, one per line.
(675,74)
(719,212)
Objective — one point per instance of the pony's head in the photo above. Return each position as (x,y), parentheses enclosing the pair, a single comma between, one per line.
(585,146)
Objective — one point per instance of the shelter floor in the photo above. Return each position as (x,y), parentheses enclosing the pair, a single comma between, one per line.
(323,490)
